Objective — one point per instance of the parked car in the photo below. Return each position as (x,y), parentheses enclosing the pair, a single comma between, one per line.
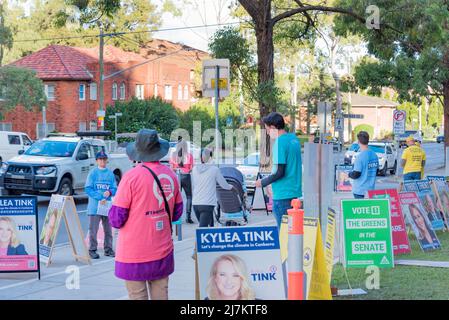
(440,139)
(249,168)
(385,152)
(337,145)
(403,137)
(58,164)
(11,143)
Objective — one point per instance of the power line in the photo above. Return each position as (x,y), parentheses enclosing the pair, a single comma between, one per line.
(129,32)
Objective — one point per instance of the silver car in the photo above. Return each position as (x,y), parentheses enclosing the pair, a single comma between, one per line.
(250,168)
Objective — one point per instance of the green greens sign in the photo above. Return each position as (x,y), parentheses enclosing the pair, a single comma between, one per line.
(367,233)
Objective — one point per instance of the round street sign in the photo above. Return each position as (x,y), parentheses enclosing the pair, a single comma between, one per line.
(399,122)
(399,115)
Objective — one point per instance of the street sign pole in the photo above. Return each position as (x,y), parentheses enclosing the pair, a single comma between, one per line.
(217,97)
(399,117)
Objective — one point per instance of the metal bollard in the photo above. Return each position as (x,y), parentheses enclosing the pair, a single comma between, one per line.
(295,251)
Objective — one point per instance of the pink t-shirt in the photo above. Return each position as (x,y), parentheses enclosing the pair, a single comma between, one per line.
(146,234)
(3,251)
(188,165)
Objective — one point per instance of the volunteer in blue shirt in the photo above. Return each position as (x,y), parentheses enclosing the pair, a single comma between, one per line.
(365,168)
(100,187)
(286,177)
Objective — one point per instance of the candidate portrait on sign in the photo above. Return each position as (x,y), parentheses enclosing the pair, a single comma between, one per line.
(9,240)
(49,230)
(228,280)
(426,236)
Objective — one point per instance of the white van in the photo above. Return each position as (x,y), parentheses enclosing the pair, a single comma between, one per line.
(11,143)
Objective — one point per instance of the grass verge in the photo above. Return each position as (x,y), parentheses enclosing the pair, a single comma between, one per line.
(402,282)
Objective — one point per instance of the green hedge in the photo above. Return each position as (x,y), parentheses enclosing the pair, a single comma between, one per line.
(364,127)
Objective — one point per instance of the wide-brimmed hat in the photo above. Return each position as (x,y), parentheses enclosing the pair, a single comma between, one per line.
(148,147)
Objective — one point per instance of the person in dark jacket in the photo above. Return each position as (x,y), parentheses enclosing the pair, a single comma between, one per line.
(9,241)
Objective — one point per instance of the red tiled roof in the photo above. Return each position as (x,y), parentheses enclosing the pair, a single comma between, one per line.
(57,62)
(71,63)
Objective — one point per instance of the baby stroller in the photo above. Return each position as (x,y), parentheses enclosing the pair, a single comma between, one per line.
(232,203)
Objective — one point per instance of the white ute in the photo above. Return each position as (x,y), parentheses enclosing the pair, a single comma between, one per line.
(58,164)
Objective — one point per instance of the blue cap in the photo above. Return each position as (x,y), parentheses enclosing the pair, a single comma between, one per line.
(101,155)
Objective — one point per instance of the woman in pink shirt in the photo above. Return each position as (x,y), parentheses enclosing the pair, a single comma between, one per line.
(182,160)
(144,216)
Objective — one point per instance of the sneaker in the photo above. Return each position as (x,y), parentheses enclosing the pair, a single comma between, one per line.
(189,220)
(109,253)
(94,255)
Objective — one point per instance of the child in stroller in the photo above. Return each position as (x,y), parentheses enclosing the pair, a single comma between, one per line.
(232,203)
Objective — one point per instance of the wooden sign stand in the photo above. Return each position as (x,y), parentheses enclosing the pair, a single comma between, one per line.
(254,200)
(74,231)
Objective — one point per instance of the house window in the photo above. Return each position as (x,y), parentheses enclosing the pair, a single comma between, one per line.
(40,129)
(114,91)
(192,74)
(122,91)
(168,95)
(186,92)
(93,126)
(82,92)
(82,126)
(179,92)
(155,89)
(5,126)
(93,91)
(139,91)
(50,92)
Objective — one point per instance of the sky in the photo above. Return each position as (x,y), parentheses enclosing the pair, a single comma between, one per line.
(203,12)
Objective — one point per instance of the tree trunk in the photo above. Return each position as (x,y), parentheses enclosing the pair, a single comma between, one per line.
(308,120)
(265,72)
(265,56)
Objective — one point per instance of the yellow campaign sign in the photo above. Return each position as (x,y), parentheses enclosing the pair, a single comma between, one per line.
(330,240)
(320,284)
(283,238)
(310,234)
(314,263)
(222,83)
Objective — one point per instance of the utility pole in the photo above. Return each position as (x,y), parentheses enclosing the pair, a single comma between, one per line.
(339,107)
(217,98)
(294,98)
(101,89)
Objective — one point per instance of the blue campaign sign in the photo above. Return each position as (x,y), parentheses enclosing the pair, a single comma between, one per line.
(22,206)
(19,251)
(436,178)
(237,239)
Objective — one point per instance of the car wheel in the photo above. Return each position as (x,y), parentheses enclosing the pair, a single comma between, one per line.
(393,171)
(384,170)
(65,187)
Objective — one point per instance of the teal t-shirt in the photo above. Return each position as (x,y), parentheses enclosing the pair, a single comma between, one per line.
(287,150)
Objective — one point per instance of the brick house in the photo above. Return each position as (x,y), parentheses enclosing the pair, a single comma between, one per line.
(71,79)
(377,113)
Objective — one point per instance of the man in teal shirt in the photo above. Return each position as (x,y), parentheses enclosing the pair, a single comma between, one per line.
(286,177)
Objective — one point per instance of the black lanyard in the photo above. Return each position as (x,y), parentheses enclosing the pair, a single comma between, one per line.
(167,207)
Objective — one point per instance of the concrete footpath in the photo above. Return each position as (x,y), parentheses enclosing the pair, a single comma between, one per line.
(97,281)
